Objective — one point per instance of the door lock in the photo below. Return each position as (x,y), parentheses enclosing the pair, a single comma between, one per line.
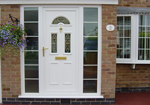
(44,50)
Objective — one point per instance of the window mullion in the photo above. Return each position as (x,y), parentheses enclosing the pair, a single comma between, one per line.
(123,35)
(135,34)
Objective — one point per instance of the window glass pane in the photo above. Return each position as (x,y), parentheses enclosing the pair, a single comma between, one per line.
(31,72)
(148,32)
(141,31)
(126,53)
(31,29)
(120,43)
(127,42)
(67,43)
(141,54)
(90,14)
(127,21)
(31,14)
(31,57)
(90,71)
(127,32)
(147,20)
(90,57)
(90,29)
(90,86)
(123,37)
(119,20)
(54,43)
(32,43)
(119,31)
(31,86)
(90,43)
(120,53)
(147,54)
(142,20)
(141,42)
(147,43)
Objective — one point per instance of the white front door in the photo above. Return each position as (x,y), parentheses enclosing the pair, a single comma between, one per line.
(60,54)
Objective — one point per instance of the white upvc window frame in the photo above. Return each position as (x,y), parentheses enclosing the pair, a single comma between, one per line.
(134,42)
(40,94)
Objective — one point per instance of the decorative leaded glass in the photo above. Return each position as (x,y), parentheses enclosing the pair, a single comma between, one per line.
(67,43)
(60,20)
(54,43)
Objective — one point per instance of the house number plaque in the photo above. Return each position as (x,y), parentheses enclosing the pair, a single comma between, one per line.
(110,27)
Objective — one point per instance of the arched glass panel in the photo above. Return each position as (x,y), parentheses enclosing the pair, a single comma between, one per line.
(60,20)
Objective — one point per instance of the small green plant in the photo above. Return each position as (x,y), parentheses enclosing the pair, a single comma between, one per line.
(12,38)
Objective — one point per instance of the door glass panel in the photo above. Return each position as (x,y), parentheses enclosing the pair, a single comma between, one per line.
(90,43)
(90,29)
(54,43)
(32,43)
(90,57)
(90,86)
(31,14)
(90,71)
(67,43)
(60,20)
(31,50)
(31,86)
(90,14)
(31,29)
(31,57)
(90,40)
(31,72)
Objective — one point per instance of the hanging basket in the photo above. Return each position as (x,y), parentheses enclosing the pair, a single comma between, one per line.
(12,38)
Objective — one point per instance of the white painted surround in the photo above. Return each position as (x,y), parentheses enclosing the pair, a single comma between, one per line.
(58,1)
(80,94)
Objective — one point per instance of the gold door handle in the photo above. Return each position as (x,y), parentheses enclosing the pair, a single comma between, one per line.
(44,50)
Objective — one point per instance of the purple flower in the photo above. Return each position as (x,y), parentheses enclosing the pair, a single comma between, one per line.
(12,29)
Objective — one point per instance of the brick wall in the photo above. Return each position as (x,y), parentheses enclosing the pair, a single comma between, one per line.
(134,3)
(10,65)
(108,52)
(126,77)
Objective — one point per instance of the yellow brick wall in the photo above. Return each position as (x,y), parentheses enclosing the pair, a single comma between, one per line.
(10,65)
(108,51)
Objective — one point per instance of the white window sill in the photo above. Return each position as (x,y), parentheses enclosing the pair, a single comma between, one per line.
(139,62)
(41,96)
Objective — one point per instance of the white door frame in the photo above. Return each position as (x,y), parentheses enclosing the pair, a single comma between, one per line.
(80,66)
